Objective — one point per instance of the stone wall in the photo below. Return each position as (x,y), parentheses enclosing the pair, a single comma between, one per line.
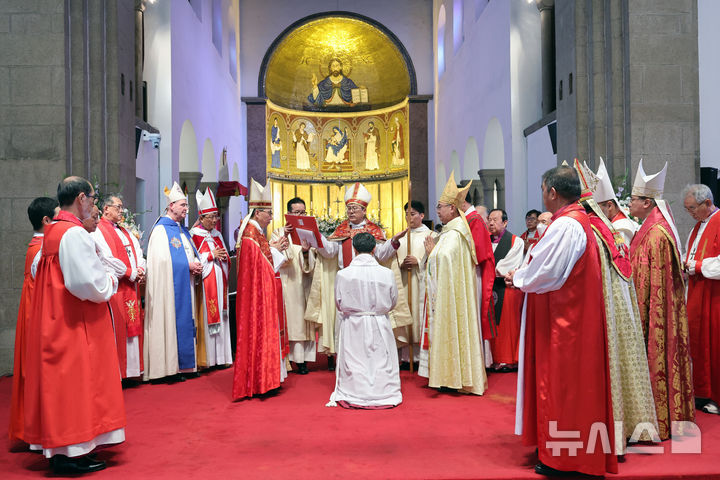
(664,112)
(32,137)
(63,111)
(634,89)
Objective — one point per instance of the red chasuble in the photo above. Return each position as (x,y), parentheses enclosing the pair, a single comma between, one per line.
(660,288)
(486,263)
(125,304)
(73,391)
(703,308)
(566,364)
(257,358)
(18,386)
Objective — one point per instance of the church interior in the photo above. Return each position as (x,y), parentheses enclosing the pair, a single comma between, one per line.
(310,96)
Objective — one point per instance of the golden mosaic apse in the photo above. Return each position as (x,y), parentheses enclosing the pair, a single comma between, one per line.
(370,65)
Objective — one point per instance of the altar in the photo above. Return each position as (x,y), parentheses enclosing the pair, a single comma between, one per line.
(337,104)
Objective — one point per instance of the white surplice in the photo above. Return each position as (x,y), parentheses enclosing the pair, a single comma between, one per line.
(132,347)
(710,265)
(627,228)
(367,372)
(551,262)
(296,276)
(87,278)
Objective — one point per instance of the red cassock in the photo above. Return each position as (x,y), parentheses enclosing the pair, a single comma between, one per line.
(18,386)
(125,304)
(505,344)
(259,317)
(703,309)
(73,391)
(566,363)
(486,263)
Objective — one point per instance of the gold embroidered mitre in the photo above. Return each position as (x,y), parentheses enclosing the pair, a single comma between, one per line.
(452,195)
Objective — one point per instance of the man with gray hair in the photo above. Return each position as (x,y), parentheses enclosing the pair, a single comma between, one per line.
(116,241)
(73,398)
(702,263)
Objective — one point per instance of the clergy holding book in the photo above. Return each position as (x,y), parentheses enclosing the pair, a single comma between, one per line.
(296,277)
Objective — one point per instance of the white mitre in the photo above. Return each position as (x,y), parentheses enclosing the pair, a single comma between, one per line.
(206,203)
(603,189)
(260,197)
(357,193)
(650,186)
(174,194)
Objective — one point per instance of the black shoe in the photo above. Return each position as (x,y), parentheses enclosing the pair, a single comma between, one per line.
(331,363)
(542,469)
(302,368)
(188,375)
(67,465)
(404,365)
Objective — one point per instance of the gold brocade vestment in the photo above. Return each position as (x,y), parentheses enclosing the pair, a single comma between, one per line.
(455,356)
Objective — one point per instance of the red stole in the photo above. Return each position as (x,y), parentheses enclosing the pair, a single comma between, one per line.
(70,357)
(486,264)
(18,386)
(125,304)
(345,233)
(619,258)
(566,363)
(703,309)
(210,282)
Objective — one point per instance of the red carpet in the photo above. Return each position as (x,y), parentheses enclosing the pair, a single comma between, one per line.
(193,430)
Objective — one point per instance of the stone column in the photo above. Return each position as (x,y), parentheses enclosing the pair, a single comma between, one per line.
(139,56)
(256,138)
(418,137)
(491,179)
(547,33)
(189,181)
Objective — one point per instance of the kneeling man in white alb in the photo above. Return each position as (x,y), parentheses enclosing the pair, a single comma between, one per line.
(367,372)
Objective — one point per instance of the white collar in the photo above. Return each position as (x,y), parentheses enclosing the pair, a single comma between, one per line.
(363,260)
(711,215)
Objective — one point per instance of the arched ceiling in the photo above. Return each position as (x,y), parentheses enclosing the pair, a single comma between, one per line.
(370,58)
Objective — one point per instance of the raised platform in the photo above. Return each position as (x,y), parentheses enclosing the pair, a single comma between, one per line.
(193,430)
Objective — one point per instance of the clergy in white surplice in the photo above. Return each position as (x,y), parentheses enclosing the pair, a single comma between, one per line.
(409,269)
(213,335)
(172,265)
(367,374)
(296,276)
(116,241)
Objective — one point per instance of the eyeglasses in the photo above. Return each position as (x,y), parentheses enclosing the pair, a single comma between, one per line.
(693,207)
(353,208)
(265,210)
(299,212)
(119,207)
